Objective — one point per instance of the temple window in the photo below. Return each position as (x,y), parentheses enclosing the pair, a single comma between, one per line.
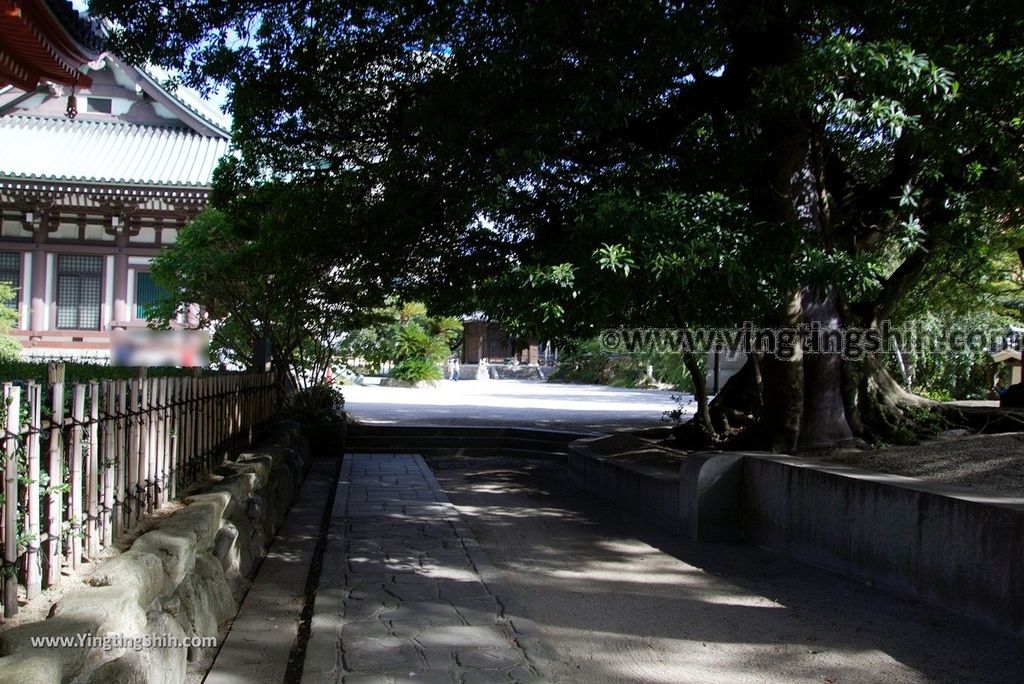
(79,291)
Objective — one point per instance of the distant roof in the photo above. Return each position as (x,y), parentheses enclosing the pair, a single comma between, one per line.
(194,111)
(111,152)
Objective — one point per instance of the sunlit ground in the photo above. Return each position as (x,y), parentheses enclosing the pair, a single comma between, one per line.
(512,402)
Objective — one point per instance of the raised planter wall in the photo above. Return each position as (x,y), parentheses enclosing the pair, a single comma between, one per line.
(933,543)
(182,578)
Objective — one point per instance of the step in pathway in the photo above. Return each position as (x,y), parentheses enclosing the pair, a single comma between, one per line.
(405,592)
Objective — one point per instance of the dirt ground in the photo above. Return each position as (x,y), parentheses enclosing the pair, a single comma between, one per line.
(621,601)
(984,464)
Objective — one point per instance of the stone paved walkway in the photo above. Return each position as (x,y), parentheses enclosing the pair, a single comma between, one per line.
(405,592)
(256,649)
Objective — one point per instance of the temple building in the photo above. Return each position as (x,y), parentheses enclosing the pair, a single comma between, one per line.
(100,167)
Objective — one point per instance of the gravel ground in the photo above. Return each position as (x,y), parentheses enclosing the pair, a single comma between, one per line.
(622,602)
(984,464)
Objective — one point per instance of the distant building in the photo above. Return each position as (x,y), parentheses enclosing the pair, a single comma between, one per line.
(87,201)
(483,339)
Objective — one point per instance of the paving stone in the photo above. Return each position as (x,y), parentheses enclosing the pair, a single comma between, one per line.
(424,614)
(370,653)
(489,658)
(465,636)
(370,627)
(421,601)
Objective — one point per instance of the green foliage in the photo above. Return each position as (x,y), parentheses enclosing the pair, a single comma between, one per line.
(416,369)
(314,404)
(585,361)
(256,272)
(407,336)
(10,348)
(640,163)
(80,372)
(946,374)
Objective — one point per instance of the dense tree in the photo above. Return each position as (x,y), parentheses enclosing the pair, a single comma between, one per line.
(643,163)
(10,348)
(404,335)
(259,270)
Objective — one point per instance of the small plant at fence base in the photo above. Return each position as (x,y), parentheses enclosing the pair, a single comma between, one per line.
(316,404)
(320,410)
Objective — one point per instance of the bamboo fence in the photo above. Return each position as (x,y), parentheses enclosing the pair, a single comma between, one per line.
(85,463)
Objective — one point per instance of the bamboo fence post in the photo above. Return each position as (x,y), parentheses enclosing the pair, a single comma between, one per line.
(33,578)
(165,470)
(12,400)
(146,445)
(92,539)
(157,428)
(247,408)
(222,419)
(55,495)
(109,447)
(204,434)
(175,399)
(236,414)
(134,457)
(185,438)
(165,398)
(195,453)
(124,441)
(75,462)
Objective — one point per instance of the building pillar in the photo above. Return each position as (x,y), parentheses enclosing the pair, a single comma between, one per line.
(38,308)
(121,314)
(37,319)
(120,291)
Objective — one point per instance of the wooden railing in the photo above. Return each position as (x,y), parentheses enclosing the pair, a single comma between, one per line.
(85,463)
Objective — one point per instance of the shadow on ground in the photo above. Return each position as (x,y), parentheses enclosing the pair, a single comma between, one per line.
(623,601)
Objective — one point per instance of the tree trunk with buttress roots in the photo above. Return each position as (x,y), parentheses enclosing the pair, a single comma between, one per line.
(789,399)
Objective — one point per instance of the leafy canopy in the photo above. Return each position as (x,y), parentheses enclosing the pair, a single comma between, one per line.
(582,163)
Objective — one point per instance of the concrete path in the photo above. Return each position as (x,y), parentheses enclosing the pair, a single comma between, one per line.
(260,640)
(511,402)
(405,593)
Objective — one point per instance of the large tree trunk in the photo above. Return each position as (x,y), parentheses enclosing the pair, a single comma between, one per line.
(824,419)
(814,401)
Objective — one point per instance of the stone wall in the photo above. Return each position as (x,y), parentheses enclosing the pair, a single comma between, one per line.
(182,578)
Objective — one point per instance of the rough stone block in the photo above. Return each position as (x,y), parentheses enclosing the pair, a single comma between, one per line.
(199,520)
(258,464)
(238,486)
(18,640)
(177,554)
(114,610)
(31,668)
(148,666)
(134,571)
(202,601)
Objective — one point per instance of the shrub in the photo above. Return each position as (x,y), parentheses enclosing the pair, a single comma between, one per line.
(316,404)
(417,370)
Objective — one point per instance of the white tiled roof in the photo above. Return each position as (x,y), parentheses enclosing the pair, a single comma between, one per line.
(45,148)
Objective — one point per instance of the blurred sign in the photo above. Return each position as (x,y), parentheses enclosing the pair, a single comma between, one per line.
(185,348)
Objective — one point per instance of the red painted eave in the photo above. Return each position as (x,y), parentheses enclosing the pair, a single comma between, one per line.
(35,47)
